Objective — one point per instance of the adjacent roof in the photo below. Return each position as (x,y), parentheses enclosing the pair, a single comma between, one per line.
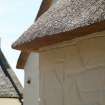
(75,16)
(10,86)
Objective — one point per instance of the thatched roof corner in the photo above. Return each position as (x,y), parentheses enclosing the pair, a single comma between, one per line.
(65,15)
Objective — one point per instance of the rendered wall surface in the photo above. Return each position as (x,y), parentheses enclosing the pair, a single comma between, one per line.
(9,101)
(73,73)
(31,90)
(69,73)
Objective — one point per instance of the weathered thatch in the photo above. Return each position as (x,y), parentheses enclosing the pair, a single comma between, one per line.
(65,15)
(10,86)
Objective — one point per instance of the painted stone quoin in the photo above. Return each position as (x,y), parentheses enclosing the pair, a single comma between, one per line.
(63,54)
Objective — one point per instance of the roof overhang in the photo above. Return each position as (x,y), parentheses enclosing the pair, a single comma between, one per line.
(46,40)
(22,60)
(24,55)
(34,45)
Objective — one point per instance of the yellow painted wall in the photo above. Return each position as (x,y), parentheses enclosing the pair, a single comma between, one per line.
(9,101)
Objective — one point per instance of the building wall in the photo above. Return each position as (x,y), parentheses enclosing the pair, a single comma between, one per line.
(9,101)
(69,73)
(31,90)
(73,73)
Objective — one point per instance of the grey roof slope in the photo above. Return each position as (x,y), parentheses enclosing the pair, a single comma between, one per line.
(9,84)
(64,16)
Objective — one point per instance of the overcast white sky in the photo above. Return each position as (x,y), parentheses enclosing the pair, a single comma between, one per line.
(15,17)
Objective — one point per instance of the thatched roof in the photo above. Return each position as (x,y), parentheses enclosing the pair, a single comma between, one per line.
(64,16)
(10,86)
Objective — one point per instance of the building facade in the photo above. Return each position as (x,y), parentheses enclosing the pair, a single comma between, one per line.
(63,54)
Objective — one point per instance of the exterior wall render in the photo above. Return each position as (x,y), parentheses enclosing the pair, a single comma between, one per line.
(31,90)
(69,73)
(9,101)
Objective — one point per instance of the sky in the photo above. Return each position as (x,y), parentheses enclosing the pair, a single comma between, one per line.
(15,17)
